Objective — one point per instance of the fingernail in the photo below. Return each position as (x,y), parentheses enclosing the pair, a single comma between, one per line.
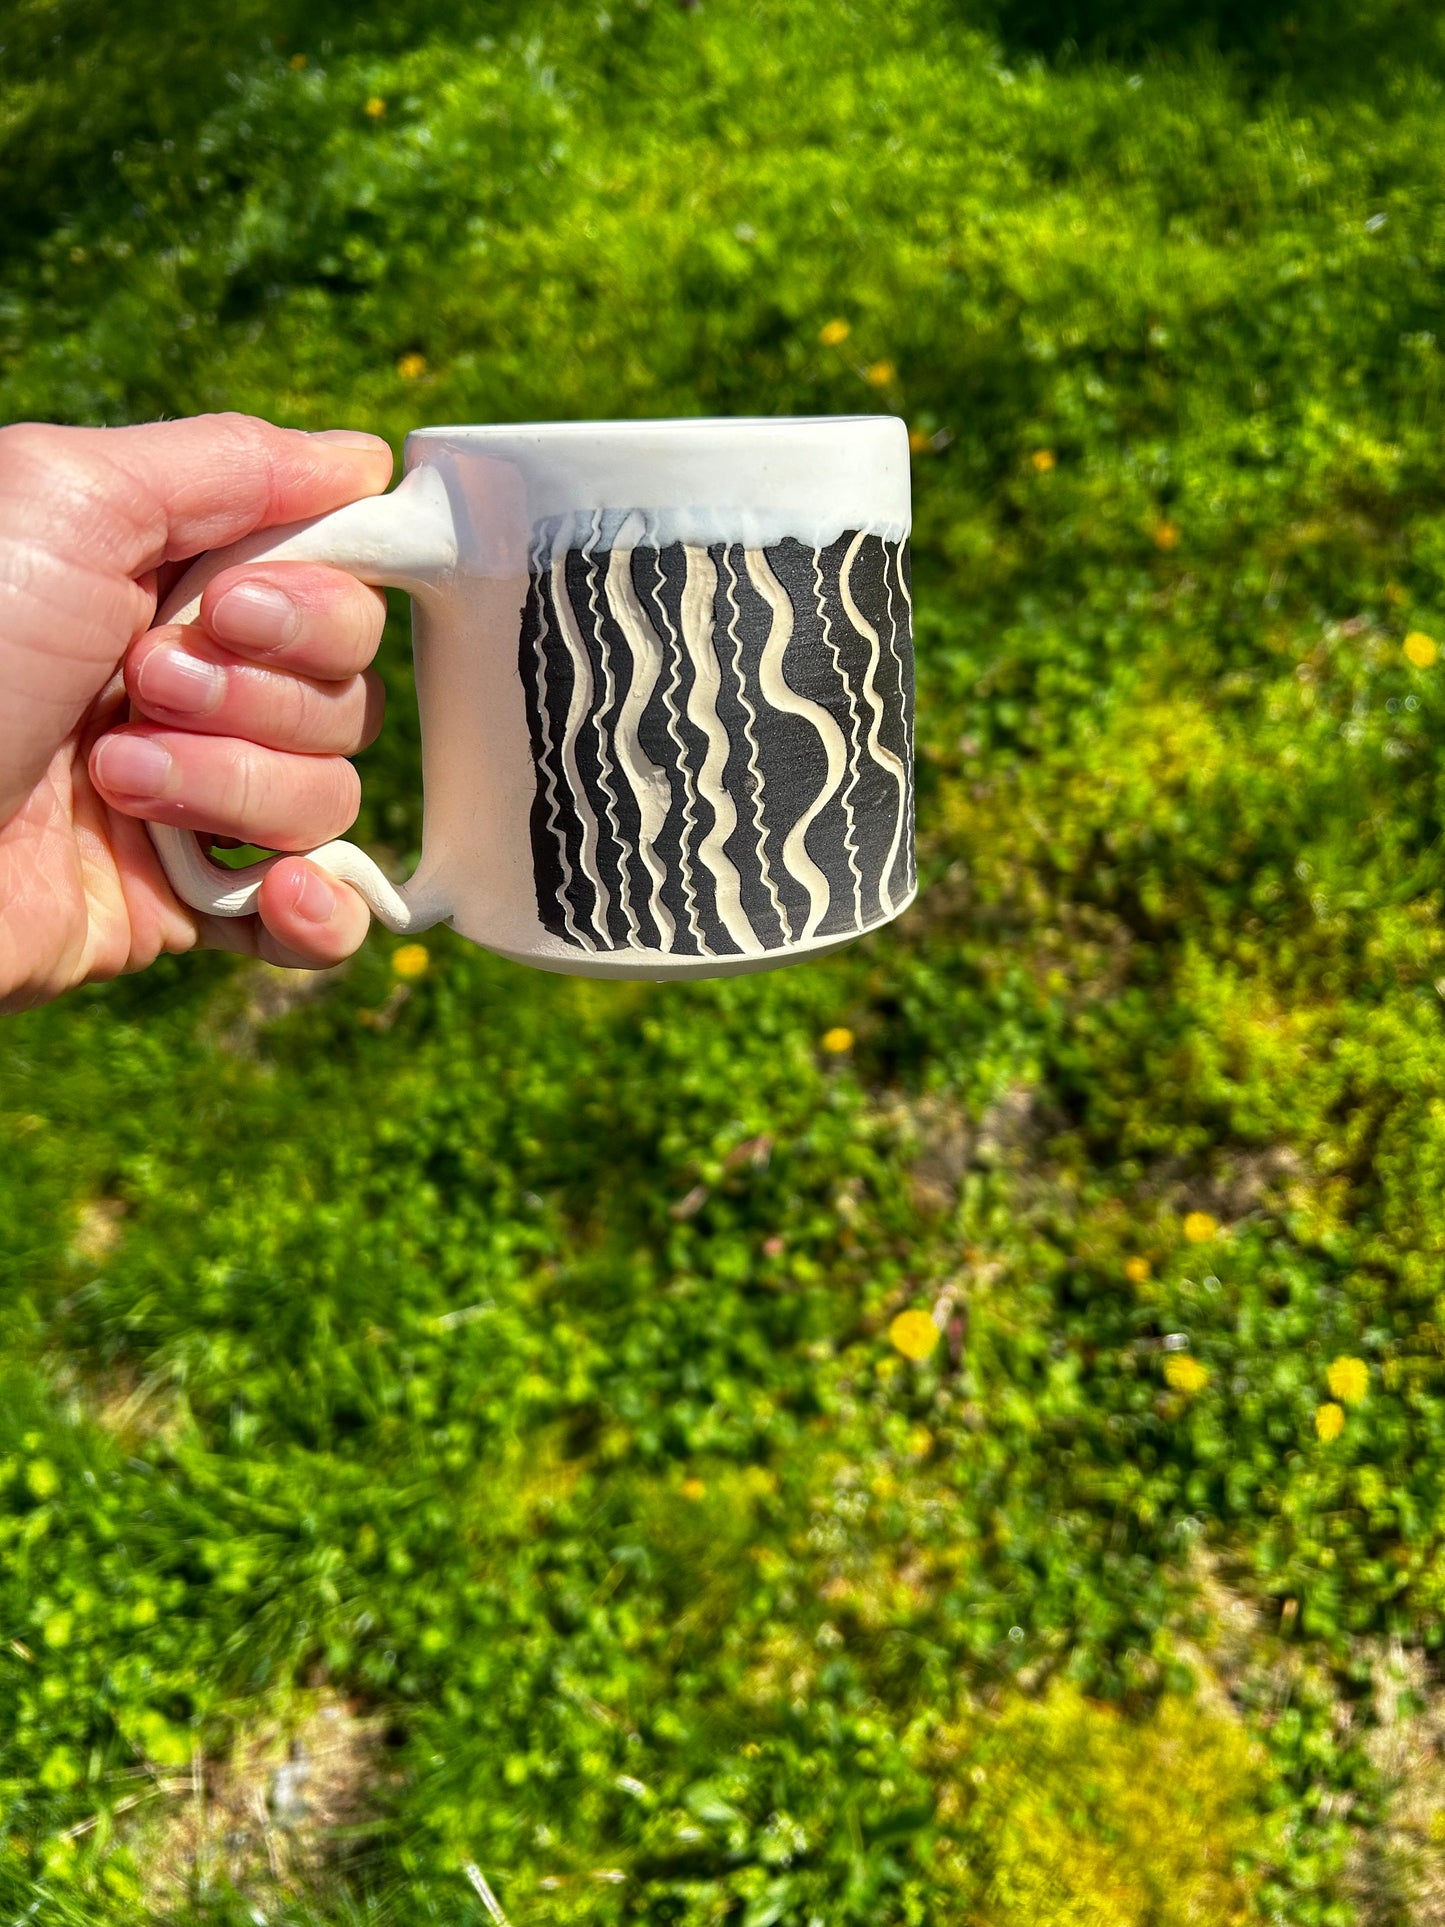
(255,615)
(133,766)
(171,679)
(313,898)
(350,438)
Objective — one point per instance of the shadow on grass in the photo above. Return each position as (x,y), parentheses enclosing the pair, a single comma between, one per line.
(1321,44)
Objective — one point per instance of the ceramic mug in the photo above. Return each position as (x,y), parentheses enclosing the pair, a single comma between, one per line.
(665,674)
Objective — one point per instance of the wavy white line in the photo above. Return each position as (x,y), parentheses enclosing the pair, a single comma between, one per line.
(553,818)
(649,784)
(599,726)
(578,705)
(698,594)
(689,791)
(796,860)
(850,820)
(910,867)
(880,753)
(750,718)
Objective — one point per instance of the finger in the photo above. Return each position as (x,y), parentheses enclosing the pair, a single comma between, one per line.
(308,919)
(129,499)
(224,786)
(295,615)
(175,676)
(89,513)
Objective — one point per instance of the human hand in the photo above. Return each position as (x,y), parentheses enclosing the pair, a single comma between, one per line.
(244,721)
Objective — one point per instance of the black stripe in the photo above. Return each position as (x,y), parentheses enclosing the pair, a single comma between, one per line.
(808,668)
(826,662)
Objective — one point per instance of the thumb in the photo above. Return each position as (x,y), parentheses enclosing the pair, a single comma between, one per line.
(84,512)
(197,484)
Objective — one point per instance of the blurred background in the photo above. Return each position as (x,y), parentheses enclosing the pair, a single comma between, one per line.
(954,1433)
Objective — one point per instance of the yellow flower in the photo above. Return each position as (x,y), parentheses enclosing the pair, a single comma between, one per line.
(411,367)
(838,1040)
(1420,649)
(880,374)
(1137,1270)
(1166,535)
(296,63)
(375,107)
(919,440)
(693,1489)
(1183,1371)
(1199,1227)
(833,334)
(1329,1422)
(411,961)
(1043,460)
(1348,1380)
(920,1442)
(914,1334)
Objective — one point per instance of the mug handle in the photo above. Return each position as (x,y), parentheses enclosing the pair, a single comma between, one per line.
(404,540)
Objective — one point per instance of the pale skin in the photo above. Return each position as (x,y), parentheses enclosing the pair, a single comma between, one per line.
(238,726)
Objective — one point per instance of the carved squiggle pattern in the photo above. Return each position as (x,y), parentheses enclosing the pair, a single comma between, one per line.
(723,742)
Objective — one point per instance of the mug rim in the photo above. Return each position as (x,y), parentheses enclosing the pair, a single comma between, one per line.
(644,424)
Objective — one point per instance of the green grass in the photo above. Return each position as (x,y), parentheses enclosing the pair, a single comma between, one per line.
(497,1366)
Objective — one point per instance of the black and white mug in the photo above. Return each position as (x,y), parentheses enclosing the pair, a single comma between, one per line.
(665,671)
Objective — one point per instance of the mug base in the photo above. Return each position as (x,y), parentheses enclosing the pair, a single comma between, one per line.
(659,966)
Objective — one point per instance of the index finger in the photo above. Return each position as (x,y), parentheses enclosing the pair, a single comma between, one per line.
(301,616)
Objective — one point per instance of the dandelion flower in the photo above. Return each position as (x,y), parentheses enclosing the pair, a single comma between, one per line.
(1420,649)
(1348,1380)
(914,1334)
(411,961)
(1043,460)
(375,107)
(1166,535)
(838,1040)
(1137,1270)
(1329,1421)
(693,1489)
(1200,1227)
(879,374)
(411,367)
(833,334)
(1184,1373)
(920,441)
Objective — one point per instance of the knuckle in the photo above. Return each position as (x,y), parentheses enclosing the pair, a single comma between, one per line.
(246,789)
(247,434)
(296,719)
(251,443)
(372,605)
(354,621)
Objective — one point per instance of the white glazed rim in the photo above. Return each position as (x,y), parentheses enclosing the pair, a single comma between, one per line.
(641,425)
(754,479)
